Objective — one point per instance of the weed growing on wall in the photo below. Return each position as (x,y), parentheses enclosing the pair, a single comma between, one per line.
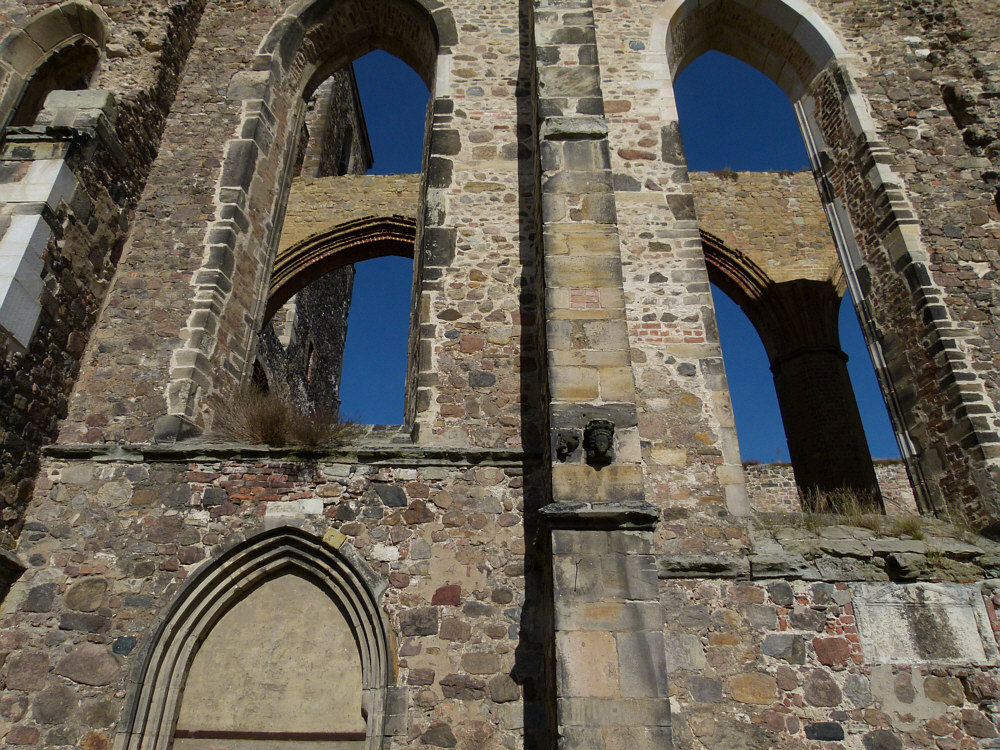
(259,417)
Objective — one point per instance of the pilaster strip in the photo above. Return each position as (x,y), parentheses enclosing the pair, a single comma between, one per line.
(589,366)
(610,667)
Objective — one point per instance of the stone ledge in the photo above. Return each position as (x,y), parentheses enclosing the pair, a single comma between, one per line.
(841,553)
(570,128)
(703,566)
(370,452)
(626,515)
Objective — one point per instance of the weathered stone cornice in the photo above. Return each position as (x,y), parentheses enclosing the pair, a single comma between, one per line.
(563,515)
(203,450)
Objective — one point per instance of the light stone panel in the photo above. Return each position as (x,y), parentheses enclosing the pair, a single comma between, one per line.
(924,623)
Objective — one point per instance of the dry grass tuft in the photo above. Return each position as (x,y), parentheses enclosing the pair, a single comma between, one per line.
(257,417)
(726,174)
(843,506)
(909,525)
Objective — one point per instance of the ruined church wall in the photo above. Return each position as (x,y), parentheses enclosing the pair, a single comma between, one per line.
(110,542)
(759,624)
(109,546)
(317,204)
(166,245)
(476,191)
(772,488)
(920,55)
(780,663)
(144,53)
(774,218)
(656,222)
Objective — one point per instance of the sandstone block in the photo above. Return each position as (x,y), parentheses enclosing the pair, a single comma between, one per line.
(86,595)
(27,671)
(944,689)
(684,651)
(821,689)
(588,662)
(790,648)
(755,688)
(503,689)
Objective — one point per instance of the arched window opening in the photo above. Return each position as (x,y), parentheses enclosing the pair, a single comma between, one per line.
(311,42)
(336,219)
(59,49)
(775,258)
(68,69)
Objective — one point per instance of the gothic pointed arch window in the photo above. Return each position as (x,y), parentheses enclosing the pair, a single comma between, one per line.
(279,94)
(342,283)
(874,227)
(768,248)
(279,642)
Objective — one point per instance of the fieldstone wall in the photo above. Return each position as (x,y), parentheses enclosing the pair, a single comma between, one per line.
(110,155)
(922,58)
(861,190)
(772,488)
(542,587)
(154,274)
(798,642)
(304,368)
(779,664)
(112,542)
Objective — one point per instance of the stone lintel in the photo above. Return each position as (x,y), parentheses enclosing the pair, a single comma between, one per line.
(601,516)
(33,142)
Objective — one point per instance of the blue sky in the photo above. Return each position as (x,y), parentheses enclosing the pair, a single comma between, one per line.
(734,117)
(731,117)
(378,326)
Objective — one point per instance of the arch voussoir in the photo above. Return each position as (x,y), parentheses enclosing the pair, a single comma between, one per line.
(159,678)
(350,242)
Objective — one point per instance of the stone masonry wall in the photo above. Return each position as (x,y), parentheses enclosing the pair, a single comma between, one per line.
(924,53)
(179,202)
(774,218)
(318,204)
(110,544)
(337,144)
(768,246)
(771,650)
(89,234)
(658,610)
(779,665)
(306,371)
(771,487)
